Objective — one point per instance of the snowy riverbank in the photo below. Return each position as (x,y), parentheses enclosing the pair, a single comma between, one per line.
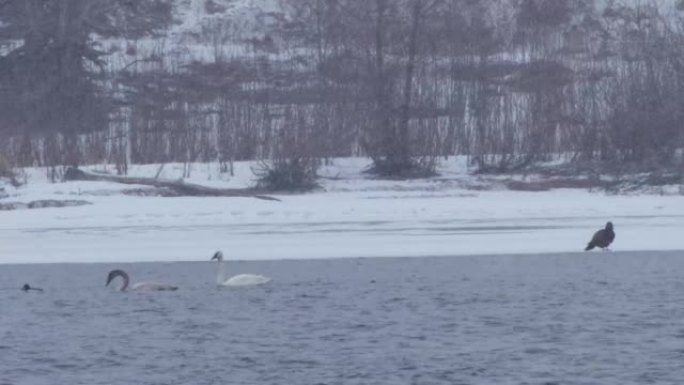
(350,216)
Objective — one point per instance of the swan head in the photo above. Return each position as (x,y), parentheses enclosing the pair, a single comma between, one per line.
(217,256)
(118,273)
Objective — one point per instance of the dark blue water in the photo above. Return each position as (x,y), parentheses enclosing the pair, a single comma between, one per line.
(601,318)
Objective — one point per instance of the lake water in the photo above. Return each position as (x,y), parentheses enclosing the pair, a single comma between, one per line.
(582,318)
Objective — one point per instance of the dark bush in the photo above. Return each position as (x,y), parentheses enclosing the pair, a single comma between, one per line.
(288,174)
(5,169)
(412,168)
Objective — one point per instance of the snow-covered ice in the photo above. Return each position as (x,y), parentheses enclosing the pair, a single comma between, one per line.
(350,216)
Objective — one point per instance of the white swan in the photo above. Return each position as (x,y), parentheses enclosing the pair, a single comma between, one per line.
(238,280)
(141,286)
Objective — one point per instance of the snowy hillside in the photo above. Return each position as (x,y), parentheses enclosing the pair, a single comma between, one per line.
(202,30)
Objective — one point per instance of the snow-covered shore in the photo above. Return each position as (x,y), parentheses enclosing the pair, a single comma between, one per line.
(350,216)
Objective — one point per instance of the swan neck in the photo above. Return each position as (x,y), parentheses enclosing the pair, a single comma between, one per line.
(118,273)
(221,274)
(126,281)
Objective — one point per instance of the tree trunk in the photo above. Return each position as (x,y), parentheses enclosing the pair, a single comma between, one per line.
(403,151)
(178,186)
(383,124)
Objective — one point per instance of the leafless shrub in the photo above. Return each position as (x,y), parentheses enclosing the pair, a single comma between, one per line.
(292,168)
(288,174)
(7,172)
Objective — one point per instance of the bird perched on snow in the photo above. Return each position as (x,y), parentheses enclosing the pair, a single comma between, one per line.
(602,238)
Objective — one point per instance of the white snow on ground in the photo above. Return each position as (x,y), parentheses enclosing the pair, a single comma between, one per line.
(351,216)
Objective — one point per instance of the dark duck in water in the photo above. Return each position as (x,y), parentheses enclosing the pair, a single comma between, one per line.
(26,288)
(602,238)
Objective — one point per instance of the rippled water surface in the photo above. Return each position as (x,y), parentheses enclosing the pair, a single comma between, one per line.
(583,318)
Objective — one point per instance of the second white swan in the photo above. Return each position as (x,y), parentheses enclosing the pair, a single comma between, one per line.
(237,280)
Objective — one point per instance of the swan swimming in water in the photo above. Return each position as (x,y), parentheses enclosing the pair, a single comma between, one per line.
(238,280)
(142,286)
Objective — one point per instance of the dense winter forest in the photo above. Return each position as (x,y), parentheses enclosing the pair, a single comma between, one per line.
(509,83)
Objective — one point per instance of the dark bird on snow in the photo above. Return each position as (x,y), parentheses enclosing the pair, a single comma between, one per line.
(602,238)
